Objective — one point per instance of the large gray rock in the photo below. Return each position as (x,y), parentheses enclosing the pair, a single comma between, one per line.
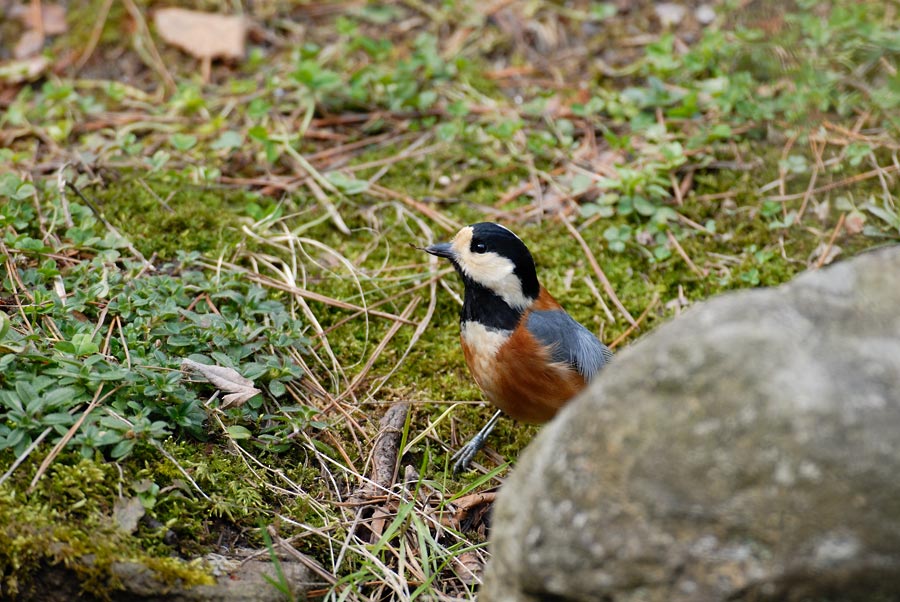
(748,450)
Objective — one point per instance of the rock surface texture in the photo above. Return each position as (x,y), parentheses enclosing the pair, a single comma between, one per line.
(748,450)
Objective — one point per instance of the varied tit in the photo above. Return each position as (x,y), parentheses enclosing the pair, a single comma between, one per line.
(524,351)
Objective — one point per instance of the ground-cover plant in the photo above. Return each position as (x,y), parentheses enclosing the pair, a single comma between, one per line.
(91,324)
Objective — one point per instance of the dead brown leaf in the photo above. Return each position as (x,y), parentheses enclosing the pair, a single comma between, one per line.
(855,223)
(16,72)
(29,44)
(469,566)
(127,512)
(202,35)
(228,380)
(52,16)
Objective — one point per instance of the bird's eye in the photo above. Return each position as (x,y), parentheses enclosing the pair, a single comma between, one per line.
(479,247)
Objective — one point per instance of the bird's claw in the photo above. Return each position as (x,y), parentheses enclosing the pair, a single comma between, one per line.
(464,455)
(468,451)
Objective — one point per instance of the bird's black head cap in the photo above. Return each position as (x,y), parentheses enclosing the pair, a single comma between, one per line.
(488,237)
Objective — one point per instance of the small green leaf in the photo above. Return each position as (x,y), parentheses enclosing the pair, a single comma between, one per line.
(347,184)
(122,448)
(581,183)
(720,131)
(426,99)
(601,11)
(64,347)
(159,160)
(59,397)
(26,391)
(25,191)
(9,184)
(84,344)
(57,418)
(237,431)
(664,214)
(26,243)
(258,133)
(672,151)
(842,203)
(14,438)
(183,142)
(228,140)
(277,388)
(643,206)
(796,164)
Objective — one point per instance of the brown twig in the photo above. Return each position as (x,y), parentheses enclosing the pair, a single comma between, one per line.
(782,171)
(818,149)
(385,454)
(676,189)
(637,323)
(96,32)
(688,221)
(825,252)
(302,558)
(680,250)
(305,294)
(593,288)
(159,65)
(97,400)
(874,173)
(448,224)
(715,196)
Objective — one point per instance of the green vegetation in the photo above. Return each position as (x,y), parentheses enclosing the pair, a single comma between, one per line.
(262,221)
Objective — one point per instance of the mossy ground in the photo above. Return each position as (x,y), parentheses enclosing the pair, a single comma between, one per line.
(212,168)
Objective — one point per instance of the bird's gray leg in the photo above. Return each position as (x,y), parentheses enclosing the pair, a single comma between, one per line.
(465,454)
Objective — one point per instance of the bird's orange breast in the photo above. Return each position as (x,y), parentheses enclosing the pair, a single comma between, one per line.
(516,372)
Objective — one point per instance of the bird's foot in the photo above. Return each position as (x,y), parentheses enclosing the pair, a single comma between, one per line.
(464,454)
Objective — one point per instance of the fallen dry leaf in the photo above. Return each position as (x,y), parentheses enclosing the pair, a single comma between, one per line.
(16,72)
(127,512)
(855,222)
(29,44)
(469,566)
(53,18)
(202,35)
(227,380)
(832,252)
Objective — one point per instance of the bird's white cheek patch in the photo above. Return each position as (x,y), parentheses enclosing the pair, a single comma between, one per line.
(505,283)
(483,344)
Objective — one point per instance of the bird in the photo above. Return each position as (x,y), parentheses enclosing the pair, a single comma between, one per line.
(527,355)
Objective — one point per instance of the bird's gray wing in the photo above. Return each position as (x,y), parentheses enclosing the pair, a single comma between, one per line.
(569,341)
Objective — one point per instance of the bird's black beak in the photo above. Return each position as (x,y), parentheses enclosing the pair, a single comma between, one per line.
(441,249)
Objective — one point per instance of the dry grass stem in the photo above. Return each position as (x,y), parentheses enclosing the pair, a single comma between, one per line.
(448,224)
(827,251)
(64,440)
(607,287)
(684,255)
(855,179)
(407,312)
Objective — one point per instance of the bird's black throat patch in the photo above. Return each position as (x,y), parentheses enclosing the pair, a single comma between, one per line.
(482,305)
